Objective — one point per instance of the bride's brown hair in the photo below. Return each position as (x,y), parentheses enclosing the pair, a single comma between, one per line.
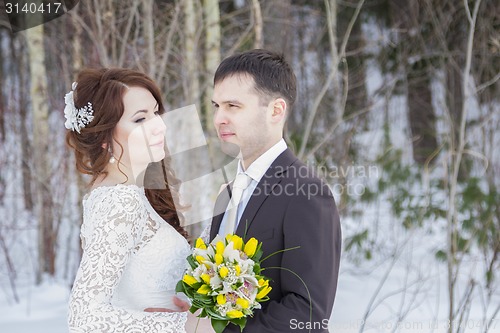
(105,88)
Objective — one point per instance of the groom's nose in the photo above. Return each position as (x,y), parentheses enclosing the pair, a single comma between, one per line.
(220,117)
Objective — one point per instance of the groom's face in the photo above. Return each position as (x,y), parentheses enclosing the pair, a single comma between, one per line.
(241,118)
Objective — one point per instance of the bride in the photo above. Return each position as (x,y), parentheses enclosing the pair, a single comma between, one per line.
(134,247)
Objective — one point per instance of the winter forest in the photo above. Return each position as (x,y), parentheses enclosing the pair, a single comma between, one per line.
(398,108)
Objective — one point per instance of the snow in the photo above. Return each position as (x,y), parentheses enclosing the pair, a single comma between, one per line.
(41,309)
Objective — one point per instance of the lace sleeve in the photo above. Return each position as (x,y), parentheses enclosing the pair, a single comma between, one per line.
(112,232)
(205,234)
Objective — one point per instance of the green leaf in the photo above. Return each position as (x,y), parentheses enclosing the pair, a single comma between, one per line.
(441,255)
(219,325)
(215,315)
(258,253)
(241,322)
(193,263)
(356,240)
(180,286)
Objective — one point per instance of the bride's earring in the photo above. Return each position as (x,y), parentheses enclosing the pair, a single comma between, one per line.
(112,159)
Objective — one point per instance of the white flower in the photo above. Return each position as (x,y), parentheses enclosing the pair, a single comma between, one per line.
(69,111)
(230,254)
(76,119)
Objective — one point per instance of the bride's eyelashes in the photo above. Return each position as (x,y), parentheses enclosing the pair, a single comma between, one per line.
(140,120)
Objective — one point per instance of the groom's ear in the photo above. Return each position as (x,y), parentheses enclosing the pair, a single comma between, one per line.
(279,110)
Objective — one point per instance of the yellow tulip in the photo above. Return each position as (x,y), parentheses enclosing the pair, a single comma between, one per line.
(189,279)
(200,259)
(219,247)
(263,283)
(204,289)
(200,244)
(218,258)
(223,271)
(243,303)
(234,314)
(206,278)
(237,242)
(238,269)
(263,293)
(251,247)
(221,299)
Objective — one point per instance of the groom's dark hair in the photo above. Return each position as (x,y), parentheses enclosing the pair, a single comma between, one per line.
(272,74)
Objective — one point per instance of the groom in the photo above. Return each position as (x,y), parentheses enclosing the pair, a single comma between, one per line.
(279,200)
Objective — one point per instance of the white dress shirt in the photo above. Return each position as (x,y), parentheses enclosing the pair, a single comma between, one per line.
(256,171)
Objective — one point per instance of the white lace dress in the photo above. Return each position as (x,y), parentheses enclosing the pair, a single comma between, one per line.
(132,260)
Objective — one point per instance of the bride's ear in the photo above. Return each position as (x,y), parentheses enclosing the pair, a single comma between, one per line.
(104,146)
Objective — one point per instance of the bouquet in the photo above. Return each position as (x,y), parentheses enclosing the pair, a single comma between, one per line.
(224,280)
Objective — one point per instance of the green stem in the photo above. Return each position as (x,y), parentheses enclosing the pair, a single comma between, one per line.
(284,250)
(305,286)
(197,323)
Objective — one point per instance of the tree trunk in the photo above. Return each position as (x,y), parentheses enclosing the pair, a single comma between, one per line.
(421,113)
(147,8)
(454,95)
(192,85)
(357,98)
(257,24)
(3,109)
(192,93)
(406,17)
(455,42)
(41,166)
(212,58)
(277,26)
(20,63)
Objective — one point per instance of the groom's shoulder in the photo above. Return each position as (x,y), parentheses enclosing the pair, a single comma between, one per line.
(297,173)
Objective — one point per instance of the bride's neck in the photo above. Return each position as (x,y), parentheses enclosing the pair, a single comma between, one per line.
(120,174)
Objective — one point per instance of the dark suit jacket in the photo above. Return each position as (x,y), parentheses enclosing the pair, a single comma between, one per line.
(292,207)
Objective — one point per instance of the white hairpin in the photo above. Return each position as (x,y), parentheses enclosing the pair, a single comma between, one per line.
(76,119)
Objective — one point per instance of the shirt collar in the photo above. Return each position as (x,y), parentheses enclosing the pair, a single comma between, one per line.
(258,168)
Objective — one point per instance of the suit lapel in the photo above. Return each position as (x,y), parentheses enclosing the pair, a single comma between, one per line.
(269,181)
(219,210)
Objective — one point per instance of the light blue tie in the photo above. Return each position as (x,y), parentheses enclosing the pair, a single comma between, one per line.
(241,182)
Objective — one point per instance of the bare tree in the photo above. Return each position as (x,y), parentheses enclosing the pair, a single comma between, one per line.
(212,56)
(414,57)
(41,166)
(277,29)
(3,109)
(337,55)
(257,24)
(455,161)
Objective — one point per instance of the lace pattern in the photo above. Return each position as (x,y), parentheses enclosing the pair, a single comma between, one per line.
(131,260)
(205,234)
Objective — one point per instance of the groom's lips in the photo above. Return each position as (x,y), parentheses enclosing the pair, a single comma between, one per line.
(225,135)
(159,143)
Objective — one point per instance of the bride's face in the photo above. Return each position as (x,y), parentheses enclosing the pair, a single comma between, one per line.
(140,131)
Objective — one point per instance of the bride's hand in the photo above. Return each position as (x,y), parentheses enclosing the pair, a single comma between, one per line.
(181,305)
